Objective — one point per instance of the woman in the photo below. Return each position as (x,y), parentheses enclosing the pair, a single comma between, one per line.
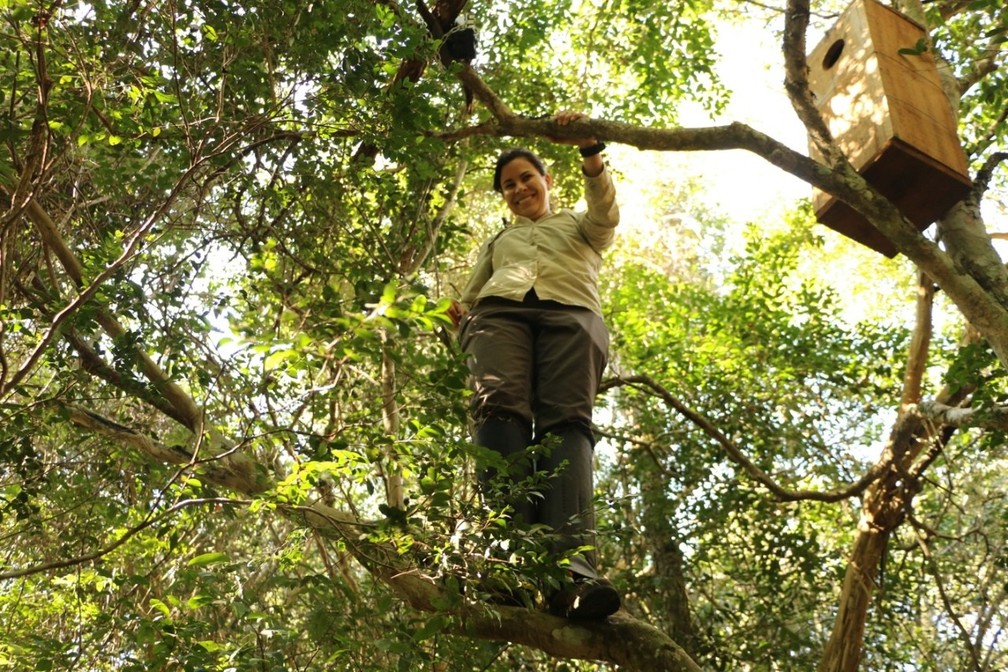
(536,347)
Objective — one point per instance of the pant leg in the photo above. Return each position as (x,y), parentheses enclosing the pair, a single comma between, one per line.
(567,505)
(571,353)
(510,437)
(497,339)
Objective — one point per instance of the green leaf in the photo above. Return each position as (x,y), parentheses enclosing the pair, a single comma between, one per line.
(199,600)
(275,359)
(160,606)
(916,50)
(208,559)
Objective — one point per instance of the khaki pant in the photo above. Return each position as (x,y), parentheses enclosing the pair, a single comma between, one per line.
(537,365)
(538,361)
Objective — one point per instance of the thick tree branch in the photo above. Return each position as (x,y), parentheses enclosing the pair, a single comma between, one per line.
(964,235)
(919,342)
(990,61)
(714,138)
(621,640)
(883,509)
(227,467)
(955,416)
(626,642)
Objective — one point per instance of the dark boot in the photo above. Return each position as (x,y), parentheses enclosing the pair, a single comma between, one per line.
(585,599)
(568,508)
(510,438)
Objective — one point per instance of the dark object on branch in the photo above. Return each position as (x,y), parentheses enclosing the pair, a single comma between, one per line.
(459,45)
(458,42)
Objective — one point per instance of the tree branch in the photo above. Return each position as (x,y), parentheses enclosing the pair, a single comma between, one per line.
(622,640)
(736,455)
(883,509)
(983,176)
(949,8)
(919,342)
(51,238)
(229,467)
(626,642)
(987,63)
(939,583)
(954,416)
(185,406)
(840,180)
(796,84)
(149,520)
(971,296)
(94,364)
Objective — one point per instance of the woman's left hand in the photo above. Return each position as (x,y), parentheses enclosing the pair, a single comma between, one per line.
(592,165)
(564,117)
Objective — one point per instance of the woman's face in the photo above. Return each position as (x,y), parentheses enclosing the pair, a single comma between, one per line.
(525,189)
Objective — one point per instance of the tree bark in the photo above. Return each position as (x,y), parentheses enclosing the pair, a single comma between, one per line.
(843,650)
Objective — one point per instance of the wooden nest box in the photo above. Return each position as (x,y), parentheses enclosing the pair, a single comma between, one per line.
(887,112)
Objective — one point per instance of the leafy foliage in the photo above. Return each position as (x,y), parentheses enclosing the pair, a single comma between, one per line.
(231,231)
(768,360)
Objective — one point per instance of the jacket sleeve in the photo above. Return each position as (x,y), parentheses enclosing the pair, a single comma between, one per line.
(599,223)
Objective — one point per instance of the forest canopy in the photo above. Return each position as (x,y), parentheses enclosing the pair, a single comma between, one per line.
(233,413)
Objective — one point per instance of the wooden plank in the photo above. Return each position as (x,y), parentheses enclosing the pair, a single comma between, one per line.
(890,118)
(922,188)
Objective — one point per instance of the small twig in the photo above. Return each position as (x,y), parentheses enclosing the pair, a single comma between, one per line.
(939,583)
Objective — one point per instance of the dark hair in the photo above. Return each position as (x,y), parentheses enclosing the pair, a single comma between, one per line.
(509,156)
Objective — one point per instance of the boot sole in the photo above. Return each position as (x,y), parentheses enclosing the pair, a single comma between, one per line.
(596,603)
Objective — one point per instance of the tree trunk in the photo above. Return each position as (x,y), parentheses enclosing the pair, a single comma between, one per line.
(843,651)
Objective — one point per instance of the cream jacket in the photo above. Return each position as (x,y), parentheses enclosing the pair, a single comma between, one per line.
(559,255)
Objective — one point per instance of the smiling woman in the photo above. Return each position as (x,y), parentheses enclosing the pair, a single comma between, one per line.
(536,347)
